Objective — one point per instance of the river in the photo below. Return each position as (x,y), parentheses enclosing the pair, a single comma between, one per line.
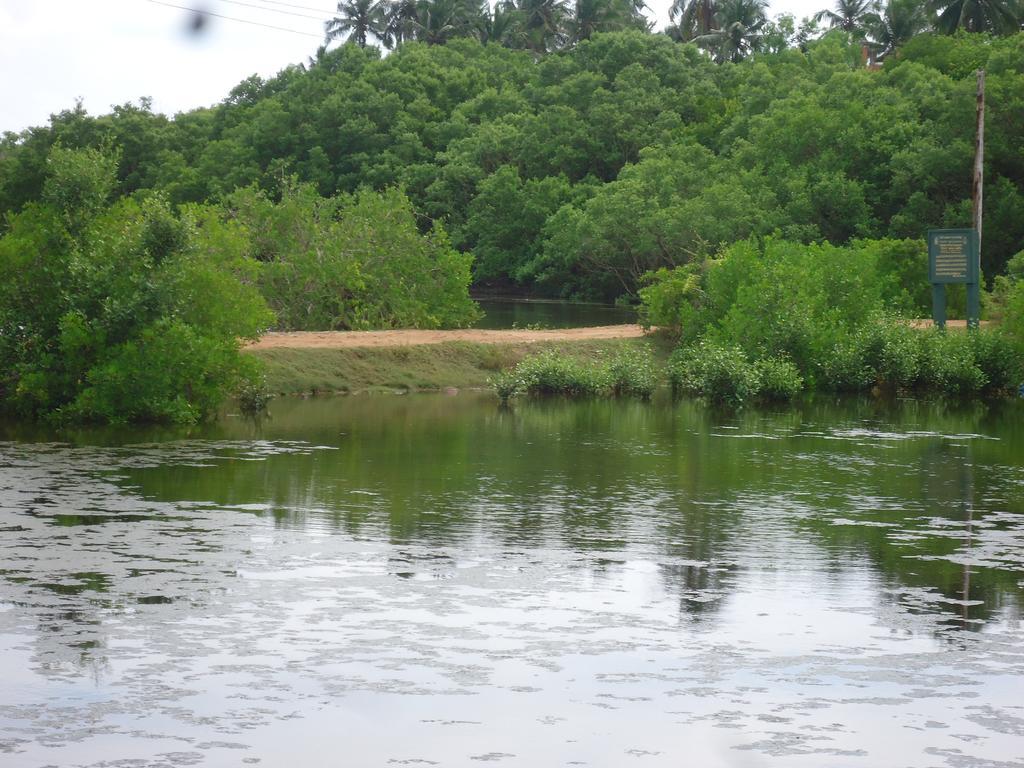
(432,580)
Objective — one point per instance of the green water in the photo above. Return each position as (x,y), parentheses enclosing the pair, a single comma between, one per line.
(523,313)
(430,579)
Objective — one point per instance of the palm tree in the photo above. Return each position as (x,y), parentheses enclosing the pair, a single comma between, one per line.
(849,15)
(1000,17)
(737,30)
(504,26)
(356,21)
(592,16)
(401,18)
(696,17)
(899,21)
(544,23)
(438,21)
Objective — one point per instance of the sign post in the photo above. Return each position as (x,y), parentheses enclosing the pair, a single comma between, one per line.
(954,257)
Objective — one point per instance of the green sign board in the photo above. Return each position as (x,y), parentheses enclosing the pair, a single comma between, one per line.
(953,256)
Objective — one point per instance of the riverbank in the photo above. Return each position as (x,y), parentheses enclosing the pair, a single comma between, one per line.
(305,363)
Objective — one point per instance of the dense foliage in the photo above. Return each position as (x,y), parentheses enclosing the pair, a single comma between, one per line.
(575,172)
(123,312)
(629,373)
(353,262)
(765,317)
(133,312)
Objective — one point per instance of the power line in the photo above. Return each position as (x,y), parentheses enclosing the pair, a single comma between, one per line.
(275,10)
(234,18)
(293,5)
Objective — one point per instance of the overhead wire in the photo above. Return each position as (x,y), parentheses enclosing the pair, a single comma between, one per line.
(276,10)
(235,18)
(293,5)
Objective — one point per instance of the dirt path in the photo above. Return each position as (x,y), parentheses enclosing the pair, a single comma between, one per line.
(406,338)
(409,338)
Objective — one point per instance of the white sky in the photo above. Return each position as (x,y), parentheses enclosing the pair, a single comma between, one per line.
(108,52)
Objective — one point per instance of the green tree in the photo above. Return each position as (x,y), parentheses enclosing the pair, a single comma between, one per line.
(121,313)
(544,23)
(1000,17)
(695,17)
(848,15)
(897,23)
(737,33)
(357,21)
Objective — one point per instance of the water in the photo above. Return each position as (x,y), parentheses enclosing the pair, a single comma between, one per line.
(429,580)
(522,313)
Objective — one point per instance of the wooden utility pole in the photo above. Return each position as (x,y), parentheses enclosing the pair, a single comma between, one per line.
(979,155)
(974,290)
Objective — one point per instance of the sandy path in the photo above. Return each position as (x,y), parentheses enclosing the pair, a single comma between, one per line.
(406,338)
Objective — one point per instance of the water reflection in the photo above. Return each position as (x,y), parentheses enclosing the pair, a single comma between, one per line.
(558,583)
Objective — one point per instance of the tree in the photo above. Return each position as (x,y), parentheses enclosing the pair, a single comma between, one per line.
(121,313)
(544,23)
(591,16)
(504,26)
(696,17)
(898,22)
(849,15)
(1000,17)
(357,20)
(737,33)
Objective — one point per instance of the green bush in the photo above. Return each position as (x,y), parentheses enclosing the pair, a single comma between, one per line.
(632,374)
(627,374)
(894,351)
(777,379)
(354,262)
(122,313)
(722,374)
(999,359)
(844,367)
(670,299)
(948,364)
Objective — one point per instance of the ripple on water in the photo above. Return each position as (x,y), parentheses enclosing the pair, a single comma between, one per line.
(608,619)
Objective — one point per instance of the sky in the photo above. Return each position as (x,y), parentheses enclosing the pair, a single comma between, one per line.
(110,52)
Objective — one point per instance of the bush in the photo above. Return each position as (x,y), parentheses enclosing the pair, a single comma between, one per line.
(999,359)
(122,313)
(948,363)
(632,374)
(720,373)
(777,379)
(670,299)
(844,367)
(627,374)
(354,262)
(254,395)
(893,350)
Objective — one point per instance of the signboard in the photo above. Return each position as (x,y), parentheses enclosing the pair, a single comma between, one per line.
(952,256)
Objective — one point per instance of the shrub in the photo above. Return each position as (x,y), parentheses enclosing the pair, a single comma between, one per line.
(948,363)
(844,367)
(122,313)
(632,374)
(254,395)
(720,373)
(354,262)
(506,386)
(670,298)
(627,374)
(552,374)
(777,379)
(894,350)
(999,359)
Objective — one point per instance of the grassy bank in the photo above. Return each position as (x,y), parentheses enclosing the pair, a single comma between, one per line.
(424,367)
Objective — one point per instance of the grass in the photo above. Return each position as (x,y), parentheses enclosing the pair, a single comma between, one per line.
(460,364)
